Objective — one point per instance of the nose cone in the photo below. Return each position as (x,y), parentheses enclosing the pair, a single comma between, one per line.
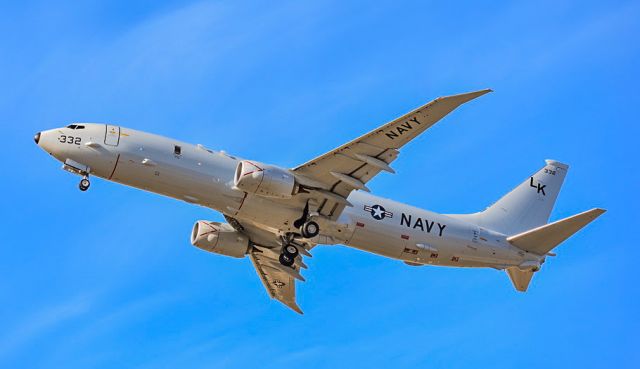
(47,141)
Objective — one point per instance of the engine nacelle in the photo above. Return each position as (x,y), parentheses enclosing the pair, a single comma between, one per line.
(220,238)
(264,180)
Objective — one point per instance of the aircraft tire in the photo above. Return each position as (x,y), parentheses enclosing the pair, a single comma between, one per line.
(285,260)
(291,251)
(84,184)
(310,229)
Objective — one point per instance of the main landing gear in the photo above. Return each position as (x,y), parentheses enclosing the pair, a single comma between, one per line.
(309,229)
(289,251)
(286,260)
(84,183)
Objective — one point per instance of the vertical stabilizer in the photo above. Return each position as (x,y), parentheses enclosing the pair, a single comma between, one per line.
(526,206)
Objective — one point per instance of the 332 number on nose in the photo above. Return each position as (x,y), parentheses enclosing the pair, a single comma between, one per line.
(70,139)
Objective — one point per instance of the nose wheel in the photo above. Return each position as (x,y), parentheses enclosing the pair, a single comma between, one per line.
(84,184)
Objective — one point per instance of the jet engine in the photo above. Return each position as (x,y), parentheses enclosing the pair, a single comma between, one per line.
(264,180)
(220,238)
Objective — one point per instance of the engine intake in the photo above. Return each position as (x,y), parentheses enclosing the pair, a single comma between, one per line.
(264,180)
(219,238)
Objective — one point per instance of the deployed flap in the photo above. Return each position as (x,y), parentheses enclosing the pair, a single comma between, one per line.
(543,239)
(519,278)
(353,164)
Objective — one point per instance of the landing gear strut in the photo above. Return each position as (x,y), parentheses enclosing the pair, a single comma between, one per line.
(84,184)
(308,228)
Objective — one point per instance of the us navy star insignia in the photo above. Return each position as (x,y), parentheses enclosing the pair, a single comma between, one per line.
(278,283)
(378,212)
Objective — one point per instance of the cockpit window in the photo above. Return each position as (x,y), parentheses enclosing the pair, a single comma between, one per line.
(75,126)
(79,127)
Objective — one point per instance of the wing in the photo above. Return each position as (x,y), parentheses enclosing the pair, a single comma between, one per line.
(332,176)
(278,280)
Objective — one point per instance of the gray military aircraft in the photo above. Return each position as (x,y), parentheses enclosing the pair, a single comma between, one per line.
(277,215)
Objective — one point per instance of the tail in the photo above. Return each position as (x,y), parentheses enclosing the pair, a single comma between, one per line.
(526,206)
(522,215)
(541,240)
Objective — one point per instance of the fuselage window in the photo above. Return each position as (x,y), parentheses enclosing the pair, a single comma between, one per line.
(177,150)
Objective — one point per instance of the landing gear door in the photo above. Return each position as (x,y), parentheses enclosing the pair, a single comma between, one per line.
(112,135)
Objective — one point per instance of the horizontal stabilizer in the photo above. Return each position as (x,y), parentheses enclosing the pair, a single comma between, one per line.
(519,278)
(543,239)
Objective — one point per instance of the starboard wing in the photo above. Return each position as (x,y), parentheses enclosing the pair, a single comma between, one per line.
(331,177)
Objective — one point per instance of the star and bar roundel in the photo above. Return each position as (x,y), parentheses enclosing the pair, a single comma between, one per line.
(378,212)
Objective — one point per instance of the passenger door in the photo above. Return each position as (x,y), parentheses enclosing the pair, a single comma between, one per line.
(112,135)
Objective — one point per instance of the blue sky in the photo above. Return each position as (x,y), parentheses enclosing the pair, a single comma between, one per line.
(108,279)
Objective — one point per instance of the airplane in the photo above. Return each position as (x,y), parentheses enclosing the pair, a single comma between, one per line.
(277,215)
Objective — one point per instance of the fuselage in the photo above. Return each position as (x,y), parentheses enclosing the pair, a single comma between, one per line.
(198,175)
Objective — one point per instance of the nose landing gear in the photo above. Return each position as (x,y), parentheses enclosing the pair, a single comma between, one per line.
(84,184)
(79,169)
